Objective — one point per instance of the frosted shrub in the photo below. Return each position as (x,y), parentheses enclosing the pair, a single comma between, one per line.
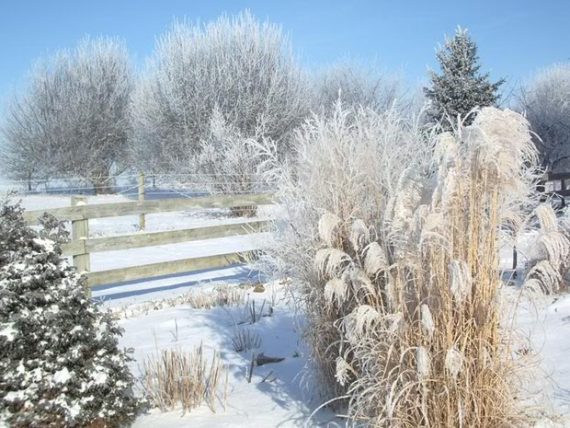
(399,258)
(60,364)
(423,332)
(335,195)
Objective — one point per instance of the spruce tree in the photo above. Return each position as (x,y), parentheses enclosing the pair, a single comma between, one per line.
(60,362)
(460,87)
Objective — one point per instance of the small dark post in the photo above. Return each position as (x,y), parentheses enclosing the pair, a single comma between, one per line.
(515,261)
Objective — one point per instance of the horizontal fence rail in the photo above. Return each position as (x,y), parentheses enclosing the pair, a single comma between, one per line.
(117,276)
(81,245)
(127,242)
(82,212)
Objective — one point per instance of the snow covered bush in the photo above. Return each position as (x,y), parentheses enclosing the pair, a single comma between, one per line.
(60,364)
(348,165)
(398,256)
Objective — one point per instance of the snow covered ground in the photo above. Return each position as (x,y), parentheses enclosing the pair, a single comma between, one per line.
(274,398)
(544,323)
(277,394)
(284,398)
(541,328)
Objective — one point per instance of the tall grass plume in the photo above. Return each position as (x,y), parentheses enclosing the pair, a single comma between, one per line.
(404,319)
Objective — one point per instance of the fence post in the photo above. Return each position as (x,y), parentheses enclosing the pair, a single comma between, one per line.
(142,218)
(515,261)
(80,232)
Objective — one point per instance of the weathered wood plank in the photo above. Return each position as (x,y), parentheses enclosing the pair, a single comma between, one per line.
(79,234)
(142,218)
(116,276)
(147,207)
(139,240)
(73,248)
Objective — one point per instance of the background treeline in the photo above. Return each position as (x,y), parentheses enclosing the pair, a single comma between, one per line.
(220,99)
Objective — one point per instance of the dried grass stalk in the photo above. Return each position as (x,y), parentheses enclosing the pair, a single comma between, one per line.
(244,340)
(186,379)
(549,268)
(419,331)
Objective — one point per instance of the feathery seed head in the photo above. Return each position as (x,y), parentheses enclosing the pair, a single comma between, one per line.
(428,325)
(453,362)
(461,280)
(359,235)
(343,371)
(423,362)
(335,291)
(331,262)
(329,225)
(375,260)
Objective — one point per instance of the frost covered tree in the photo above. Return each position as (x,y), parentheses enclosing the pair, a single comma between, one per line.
(228,162)
(356,86)
(241,67)
(73,117)
(546,103)
(60,363)
(23,158)
(460,87)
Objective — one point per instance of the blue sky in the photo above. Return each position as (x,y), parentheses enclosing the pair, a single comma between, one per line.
(515,37)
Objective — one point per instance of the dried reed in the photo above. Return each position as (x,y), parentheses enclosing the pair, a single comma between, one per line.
(177,378)
(549,268)
(223,295)
(409,305)
(244,340)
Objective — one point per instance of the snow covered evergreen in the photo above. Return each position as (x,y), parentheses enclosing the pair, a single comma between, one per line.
(60,364)
(460,87)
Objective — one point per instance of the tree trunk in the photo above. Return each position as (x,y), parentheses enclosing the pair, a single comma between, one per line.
(102,183)
(29,182)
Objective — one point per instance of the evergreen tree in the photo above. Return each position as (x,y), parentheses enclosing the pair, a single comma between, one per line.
(60,363)
(460,87)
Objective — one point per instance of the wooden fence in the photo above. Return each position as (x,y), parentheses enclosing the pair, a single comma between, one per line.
(81,245)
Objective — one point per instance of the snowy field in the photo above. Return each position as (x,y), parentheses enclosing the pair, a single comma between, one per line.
(279,394)
(276,396)
(545,324)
